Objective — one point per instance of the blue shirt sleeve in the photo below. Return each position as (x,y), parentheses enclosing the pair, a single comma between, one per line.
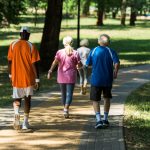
(115,57)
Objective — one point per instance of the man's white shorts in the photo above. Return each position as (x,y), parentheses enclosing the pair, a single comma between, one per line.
(22,92)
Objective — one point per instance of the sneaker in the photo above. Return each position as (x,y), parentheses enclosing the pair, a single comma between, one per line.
(66,114)
(16,122)
(99,125)
(25,126)
(105,123)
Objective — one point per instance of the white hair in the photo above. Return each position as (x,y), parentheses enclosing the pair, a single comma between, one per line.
(104,41)
(67,41)
(84,42)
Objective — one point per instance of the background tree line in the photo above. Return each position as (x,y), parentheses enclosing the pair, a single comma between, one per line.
(55,10)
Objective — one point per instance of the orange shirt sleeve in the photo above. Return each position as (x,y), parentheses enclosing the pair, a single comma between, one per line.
(10,55)
(35,55)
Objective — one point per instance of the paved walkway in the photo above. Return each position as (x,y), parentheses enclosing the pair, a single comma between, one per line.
(52,132)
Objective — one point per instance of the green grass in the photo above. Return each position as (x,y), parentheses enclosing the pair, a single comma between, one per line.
(131,43)
(137,119)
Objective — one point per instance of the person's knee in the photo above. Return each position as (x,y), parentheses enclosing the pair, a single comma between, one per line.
(28,99)
(107,100)
(17,102)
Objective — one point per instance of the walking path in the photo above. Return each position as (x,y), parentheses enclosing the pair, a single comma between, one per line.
(52,132)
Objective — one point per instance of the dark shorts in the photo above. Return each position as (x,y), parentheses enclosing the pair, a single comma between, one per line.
(96,92)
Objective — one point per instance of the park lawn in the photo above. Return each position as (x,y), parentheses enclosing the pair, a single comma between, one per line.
(132,45)
(137,119)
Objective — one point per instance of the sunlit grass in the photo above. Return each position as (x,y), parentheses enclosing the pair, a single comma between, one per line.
(131,43)
(137,118)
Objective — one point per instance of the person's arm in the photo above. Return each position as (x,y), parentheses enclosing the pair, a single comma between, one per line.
(36,72)
(116,68)
(79,65)
(9,70)
(54,64)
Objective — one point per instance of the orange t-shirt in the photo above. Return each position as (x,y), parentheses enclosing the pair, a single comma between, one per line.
(22,54)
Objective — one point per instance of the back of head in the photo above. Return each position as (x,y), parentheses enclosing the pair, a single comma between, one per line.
(24,33)
(84,42)
(104,40)
(67,41)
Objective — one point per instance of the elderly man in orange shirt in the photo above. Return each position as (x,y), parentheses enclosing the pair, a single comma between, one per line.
(23,60)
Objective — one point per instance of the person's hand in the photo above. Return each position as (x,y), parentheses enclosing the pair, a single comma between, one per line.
(36,86)
(115,74)
(49,74)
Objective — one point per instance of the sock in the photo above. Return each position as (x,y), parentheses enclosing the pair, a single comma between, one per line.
(16,110)
(98,117)
(105,115)
(26,117)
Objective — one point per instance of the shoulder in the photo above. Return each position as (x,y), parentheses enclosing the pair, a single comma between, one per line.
(14,43)
(75,52)
(60,51)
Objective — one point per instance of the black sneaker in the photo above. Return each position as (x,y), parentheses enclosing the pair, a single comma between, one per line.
(99,125)
(105,123)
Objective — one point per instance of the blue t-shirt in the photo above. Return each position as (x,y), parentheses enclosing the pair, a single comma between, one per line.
(102,59)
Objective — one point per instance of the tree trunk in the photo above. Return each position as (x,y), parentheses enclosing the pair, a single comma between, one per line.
(100,13)
(133,16)
(114,12)
(123,12)
(35,16)
(50,38)
(86,8)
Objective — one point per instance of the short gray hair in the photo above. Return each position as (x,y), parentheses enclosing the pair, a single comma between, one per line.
(84,42)
(106,41)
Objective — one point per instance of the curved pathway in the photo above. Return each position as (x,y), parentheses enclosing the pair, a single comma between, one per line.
(52,132)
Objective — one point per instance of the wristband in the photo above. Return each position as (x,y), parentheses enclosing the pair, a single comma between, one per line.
(37,80)
(10,76)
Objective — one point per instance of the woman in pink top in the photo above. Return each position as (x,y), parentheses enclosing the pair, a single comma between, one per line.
(68,60)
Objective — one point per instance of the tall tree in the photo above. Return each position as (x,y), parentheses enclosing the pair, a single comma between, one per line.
(123,12)
(50,38)
(100,12)
(36,5)
(86,7)
(136,5)
(10,11)
(133,14)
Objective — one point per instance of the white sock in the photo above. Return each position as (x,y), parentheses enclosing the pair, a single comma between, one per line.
(65,110)
(26,117)
(16,110)
(105,115)
(98,116)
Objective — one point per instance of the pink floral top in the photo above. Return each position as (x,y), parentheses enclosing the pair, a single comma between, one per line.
(67,71)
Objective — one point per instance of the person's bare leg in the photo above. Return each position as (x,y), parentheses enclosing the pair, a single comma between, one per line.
(106,112)
(16,105)
(96,106)
(106,108)
(27,106)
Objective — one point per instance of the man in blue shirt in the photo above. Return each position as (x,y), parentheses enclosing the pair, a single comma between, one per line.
(105,65)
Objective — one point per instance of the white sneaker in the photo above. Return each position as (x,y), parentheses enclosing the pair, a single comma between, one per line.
(16,124)
(66,114)
(25,126)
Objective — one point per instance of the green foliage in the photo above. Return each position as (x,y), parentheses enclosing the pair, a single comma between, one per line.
(70,7)
(137,118)
(10,11)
